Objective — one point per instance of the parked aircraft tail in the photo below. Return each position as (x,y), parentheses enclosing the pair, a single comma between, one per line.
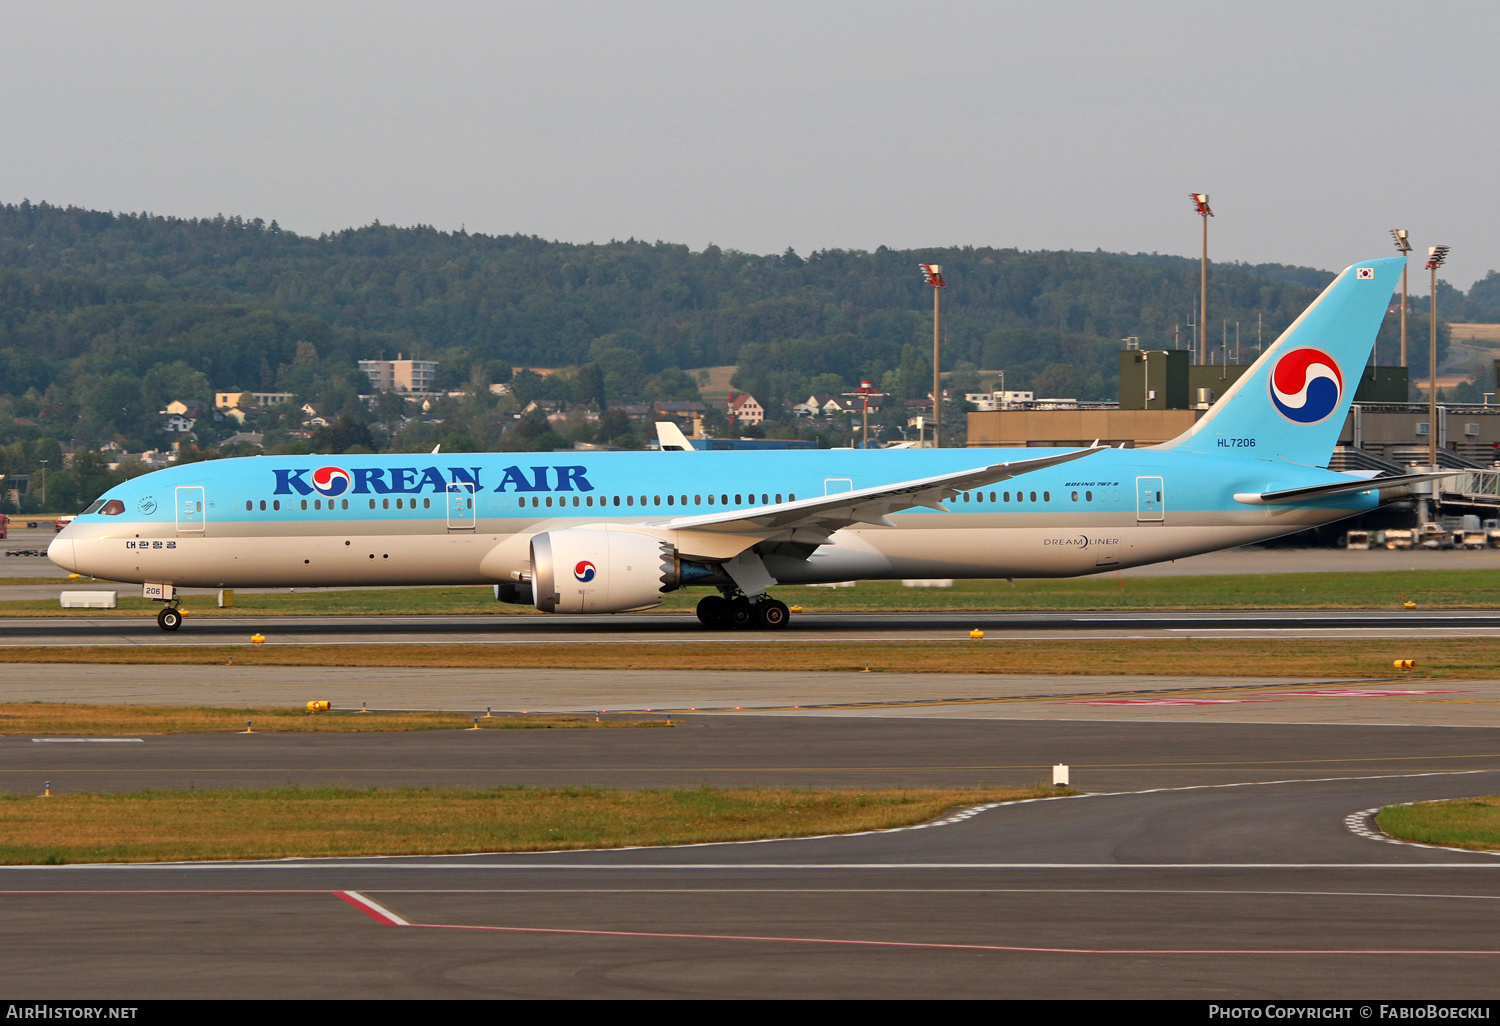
(1292,402)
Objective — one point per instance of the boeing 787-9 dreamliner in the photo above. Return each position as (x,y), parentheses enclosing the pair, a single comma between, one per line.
(612,532)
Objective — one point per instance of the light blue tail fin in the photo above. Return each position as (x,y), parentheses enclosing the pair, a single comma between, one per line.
(1292,402)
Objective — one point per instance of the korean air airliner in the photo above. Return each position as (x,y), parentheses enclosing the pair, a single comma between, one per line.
(613,532)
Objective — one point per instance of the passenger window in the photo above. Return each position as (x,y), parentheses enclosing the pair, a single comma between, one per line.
(1033,496)
(385,503)
(992,496)
(1075,496)
(344,504)
(737,500)
(669,500)
(276,504)
(304,503)
(426,503)
(617,500)
(317,504)
(1088,496)
(1046,496)
(778,496)
(765,500)
(966,496)
(697,500)
(588,500)
(724,499)
(398,504)
(658,500)
(790,497)
(1007,496)
(575,500)
(630,500)
(248,506)
(549,500)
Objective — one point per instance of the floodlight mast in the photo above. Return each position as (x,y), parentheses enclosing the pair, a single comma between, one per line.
(1200,201)
(1403,246)
(1435,257)
(932,274)
(865,391)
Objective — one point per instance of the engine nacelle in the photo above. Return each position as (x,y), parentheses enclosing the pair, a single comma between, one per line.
(589,570)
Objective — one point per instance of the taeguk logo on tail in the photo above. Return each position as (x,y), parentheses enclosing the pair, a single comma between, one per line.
(330,481)
(1306,385)
(584,571)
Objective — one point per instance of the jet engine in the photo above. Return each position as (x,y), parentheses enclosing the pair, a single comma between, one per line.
(589,570)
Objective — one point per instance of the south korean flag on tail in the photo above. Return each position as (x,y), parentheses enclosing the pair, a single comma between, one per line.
(1364,273)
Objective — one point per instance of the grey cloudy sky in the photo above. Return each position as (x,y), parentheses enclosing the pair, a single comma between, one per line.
(812,124)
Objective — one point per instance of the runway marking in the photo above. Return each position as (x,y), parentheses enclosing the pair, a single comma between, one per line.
(87,740)
(1204,892)
(940,946)
(372,909)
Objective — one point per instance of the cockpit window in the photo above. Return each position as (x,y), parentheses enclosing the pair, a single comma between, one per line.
(112,508)
(93,507)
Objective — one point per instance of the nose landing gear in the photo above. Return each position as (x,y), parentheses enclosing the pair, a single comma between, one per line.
(169,619)
(740,613)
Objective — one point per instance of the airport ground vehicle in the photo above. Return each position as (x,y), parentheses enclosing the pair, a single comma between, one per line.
(612,532)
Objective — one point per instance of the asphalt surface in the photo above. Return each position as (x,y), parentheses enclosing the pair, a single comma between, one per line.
(1213,860)
(685,628)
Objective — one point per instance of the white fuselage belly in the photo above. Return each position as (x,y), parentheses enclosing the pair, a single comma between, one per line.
(963,545)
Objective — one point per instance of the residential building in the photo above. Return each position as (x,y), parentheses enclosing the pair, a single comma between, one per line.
(254,438)
(632,411)
(400,375)
(744,409)
(229,400)
(687,410)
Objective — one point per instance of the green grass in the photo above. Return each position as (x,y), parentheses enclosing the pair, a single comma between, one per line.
(331,821)
(1433,589)
(1460,823)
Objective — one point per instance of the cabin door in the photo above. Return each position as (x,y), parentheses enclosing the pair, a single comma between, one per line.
(461,512)
(191,518)
(1150,500)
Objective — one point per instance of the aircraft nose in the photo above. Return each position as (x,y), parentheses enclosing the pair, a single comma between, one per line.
(61,552)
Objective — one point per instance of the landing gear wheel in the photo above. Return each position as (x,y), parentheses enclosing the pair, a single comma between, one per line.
(772,615)
(741,614)
(713,611)
(169,619)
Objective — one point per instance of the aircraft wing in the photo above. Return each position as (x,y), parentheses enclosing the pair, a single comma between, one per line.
(1309,493)
(865,505)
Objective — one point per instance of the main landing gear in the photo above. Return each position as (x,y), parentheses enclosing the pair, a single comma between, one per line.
(739,613)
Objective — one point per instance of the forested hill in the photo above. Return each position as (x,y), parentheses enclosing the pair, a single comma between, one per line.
(90,301)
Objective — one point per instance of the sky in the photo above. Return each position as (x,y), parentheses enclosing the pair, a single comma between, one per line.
(1314,127)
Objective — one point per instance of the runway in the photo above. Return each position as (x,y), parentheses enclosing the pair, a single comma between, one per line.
(1213,861)
(681,628)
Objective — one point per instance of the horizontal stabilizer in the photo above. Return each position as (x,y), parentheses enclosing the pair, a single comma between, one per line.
(1310,493)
